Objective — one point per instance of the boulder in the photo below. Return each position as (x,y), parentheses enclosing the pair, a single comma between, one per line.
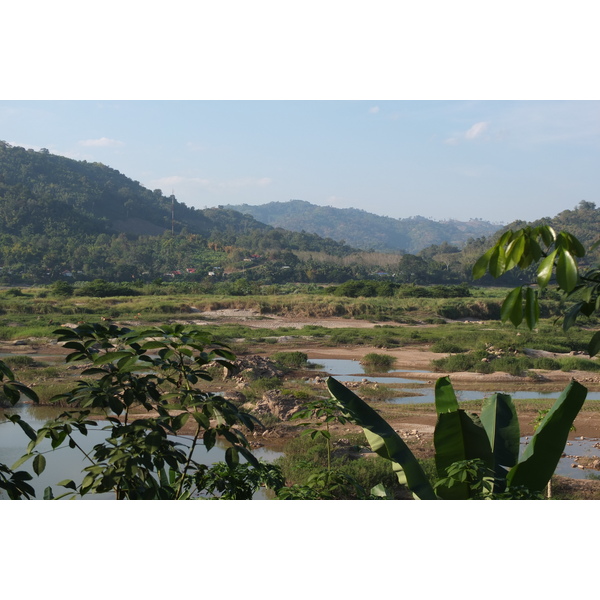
(252,367)
(275,403)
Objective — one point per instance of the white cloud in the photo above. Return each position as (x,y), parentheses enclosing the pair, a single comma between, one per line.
(476,130)
(472,133)
(374,110)
(101,142)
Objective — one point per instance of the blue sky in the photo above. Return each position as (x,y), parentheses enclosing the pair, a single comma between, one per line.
(494,160)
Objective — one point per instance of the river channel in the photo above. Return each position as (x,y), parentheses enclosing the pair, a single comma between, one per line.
(351,371)
(65,463)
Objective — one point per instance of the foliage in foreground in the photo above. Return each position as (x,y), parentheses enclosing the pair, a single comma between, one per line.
(547,254)
(155,371)
(477,456)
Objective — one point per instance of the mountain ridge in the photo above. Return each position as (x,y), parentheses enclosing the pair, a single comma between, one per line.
(366,230)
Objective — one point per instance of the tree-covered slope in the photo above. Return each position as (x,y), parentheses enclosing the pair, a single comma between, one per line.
(50,193)
(366,230)
(60,215)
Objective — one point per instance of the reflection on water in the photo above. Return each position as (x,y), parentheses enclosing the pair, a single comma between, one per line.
(352,370)
(66,463)
(574,450)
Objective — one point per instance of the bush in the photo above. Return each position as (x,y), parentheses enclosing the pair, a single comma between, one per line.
(62,289)
(454,363)
(290,360)
(446,346)
(382,362)
(545,363)
(19,361)
(104,289)
(578,364)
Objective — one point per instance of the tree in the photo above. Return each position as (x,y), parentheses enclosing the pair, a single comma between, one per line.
(155,371)
(550,258)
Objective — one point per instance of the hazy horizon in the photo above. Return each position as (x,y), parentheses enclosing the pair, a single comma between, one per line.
(492,160)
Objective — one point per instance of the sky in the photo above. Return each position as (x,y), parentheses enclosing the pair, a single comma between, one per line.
(494,160)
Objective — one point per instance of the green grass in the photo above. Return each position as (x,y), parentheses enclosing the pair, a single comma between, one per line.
(290,360)
(378,362)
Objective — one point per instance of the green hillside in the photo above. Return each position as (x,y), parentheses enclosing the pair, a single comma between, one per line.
(366,230)
(59,215)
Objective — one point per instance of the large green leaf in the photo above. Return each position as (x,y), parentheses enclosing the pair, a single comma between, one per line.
(532,308)
(497,264)
(538,463)
(566,271)
(384,440)
(545,270)
(111,356)
(482,263)
(445,398)
(512,307)
(514,251)
(500,421)
(594,345)
(458,436)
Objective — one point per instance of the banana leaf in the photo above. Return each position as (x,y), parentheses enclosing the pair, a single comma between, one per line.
(500,421)
(445,398)
(538,463)
(458,436)
(384,441)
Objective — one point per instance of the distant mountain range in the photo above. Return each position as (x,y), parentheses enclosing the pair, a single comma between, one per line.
(60,215)
(365,230)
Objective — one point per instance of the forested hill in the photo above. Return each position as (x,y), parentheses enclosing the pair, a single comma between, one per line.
(366,230)
(50,194)
(583,222)
(62,215)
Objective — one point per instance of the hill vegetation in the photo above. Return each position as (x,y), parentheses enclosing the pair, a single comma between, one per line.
(366,230)
(62,219)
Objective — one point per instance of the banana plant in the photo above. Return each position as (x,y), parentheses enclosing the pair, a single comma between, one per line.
(491,439)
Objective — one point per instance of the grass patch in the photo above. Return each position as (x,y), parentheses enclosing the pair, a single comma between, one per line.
(378,362)
(578,364)
(290,360)
(447,346)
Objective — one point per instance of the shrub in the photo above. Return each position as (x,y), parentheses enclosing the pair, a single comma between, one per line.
(383,362)
(19,361)
(578,364)
(446,346)
(290,360)
(454,363)
(14,292)
(62,289)
(104,289)
(548,364)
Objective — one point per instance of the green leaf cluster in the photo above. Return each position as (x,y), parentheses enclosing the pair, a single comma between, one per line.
(556,259)
(477,456)
(146,385)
